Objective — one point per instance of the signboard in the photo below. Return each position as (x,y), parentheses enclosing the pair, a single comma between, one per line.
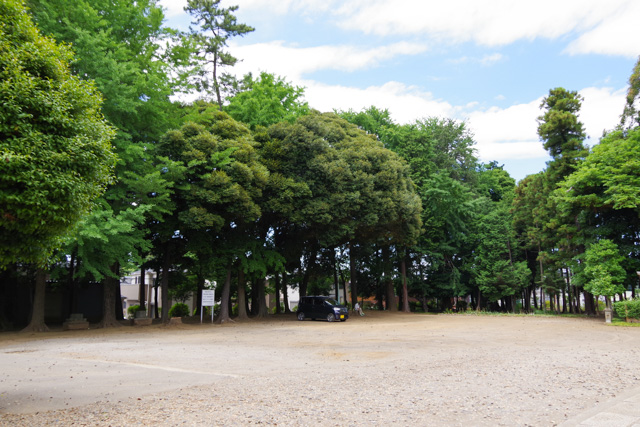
(208,300)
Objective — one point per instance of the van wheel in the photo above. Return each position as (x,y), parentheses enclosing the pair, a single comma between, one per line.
(301,316)
(331,317)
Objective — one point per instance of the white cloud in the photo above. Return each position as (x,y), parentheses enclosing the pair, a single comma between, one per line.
(595,26)
(491,59)
(294,62)
(405,103)
(173,7)
(501,134)
(486,60)
(282,7)
(601,110)
(618,35)
(509,133)
(487,22)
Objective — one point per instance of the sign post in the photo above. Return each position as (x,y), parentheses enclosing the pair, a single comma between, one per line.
(208,300)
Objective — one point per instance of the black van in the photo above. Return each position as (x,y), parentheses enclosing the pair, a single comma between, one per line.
(316,307)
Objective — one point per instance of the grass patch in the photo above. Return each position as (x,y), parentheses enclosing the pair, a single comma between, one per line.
(621,322)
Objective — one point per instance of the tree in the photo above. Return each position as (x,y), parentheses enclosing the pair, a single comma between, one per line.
(108,243)
(561,131)
(132,57)
(56,146)
(56,152)
(118,43)
(332,184)
(267,100)
(602,273)
(498,274)
(631,115)
(562,134)
(217,25)
(224,184)
(604,196)
(530,214)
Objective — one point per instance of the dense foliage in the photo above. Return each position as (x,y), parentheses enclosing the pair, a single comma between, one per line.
(56,153)
(251,189)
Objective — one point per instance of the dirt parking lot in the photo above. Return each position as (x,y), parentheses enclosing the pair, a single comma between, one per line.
(392,369)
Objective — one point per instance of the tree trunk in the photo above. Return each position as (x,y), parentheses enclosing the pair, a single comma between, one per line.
(118,301)
(527,299)
(277,298)
(216,85)
(390,291)
(589,303)
(164,285)
(73,289)
(345,295)
(37,308)
(542,303)
(352,276)
(109,285)
(224,317)
(261,303)
(311,258)
(405,292)
(156,309)
(199,288)
(242,296)
(142,289)
(336,283)
(254,300)
(285,293)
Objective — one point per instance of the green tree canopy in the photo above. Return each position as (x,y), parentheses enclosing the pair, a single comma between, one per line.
(631,114)
(609,178)
(561,131)
(216,26)
(603,274)
(56,152)
(603,195)
(267,100)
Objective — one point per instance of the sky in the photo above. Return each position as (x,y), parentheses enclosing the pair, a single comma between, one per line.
(488,63)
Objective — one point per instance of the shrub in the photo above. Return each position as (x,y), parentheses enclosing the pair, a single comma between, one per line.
(415,306)
(179,309)
(131,311)
(273,310)
(628,309)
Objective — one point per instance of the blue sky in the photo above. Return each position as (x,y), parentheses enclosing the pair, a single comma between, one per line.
(487,62)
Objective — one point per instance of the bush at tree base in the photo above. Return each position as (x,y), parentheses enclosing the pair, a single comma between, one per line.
(179,309)
(131,311)
(629,309)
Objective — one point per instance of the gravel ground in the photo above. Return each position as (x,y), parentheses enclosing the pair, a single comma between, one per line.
(392,369)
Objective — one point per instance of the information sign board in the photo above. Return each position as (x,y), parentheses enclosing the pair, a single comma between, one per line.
(208,300)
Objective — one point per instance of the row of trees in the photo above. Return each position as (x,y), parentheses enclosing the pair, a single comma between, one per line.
(254,184)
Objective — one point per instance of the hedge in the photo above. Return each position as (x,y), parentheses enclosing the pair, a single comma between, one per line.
(629,309)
